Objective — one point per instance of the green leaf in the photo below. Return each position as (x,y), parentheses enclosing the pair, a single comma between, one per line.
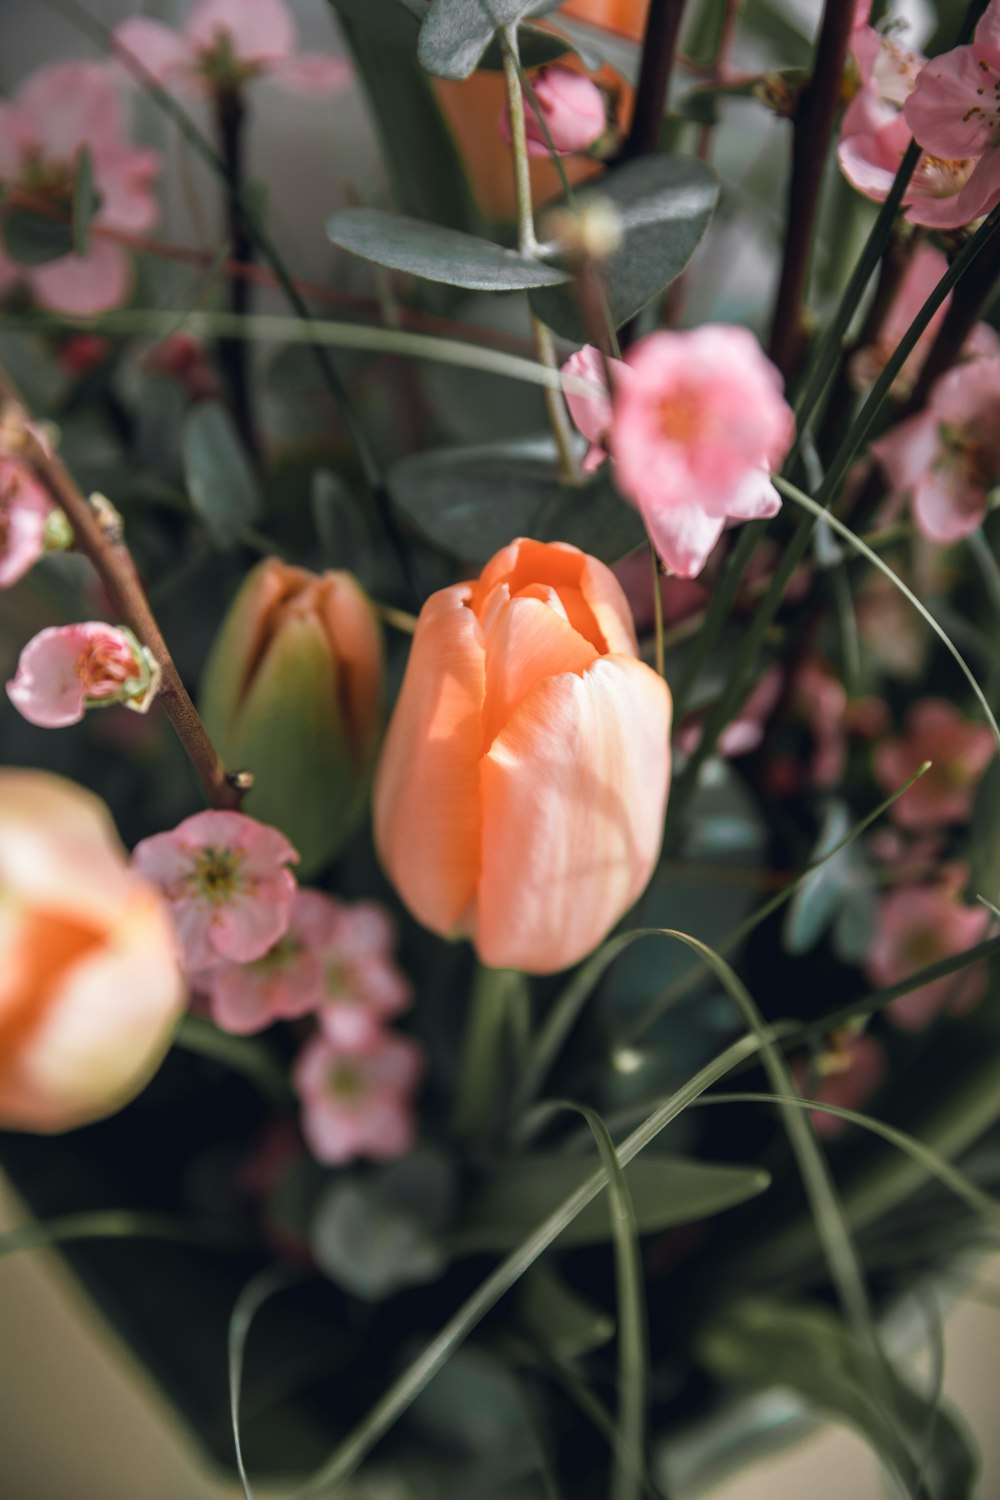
(595,46)
(472,501)
(396,22)
(86,201)
(422,161)
(666,1191)
(807,1349)
(367,1246)
(222,486)
(665,205)
(456,33)
(820,898)
(984,837)
(33,239)
(435,253)
(564,1323)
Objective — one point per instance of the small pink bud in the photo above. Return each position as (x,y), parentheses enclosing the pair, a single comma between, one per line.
(67,669)
(572,107)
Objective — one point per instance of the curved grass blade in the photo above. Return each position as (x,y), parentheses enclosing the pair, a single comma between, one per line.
(117,1224)
(256,1292)
(807,503)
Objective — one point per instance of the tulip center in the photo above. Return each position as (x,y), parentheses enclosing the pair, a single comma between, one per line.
(216,875)
(681,417)
(346,1081)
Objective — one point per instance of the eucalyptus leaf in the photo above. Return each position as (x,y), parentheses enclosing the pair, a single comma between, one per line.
(472,501)
(557,1317)
(222,485)
(369,1247)
(595,46)
(821,896)
(807,1349)
(33,239)
(456,33)
(437,253)
(86,201)
(666,1191)
(665,205)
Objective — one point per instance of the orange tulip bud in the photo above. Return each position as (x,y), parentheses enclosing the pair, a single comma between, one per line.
(293,693)
(520,796)
(90,981)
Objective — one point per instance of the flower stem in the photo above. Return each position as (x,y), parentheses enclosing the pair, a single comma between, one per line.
(478,1096)
(229,121)
(659,44)
(99,540)
(813,130)
(555,404)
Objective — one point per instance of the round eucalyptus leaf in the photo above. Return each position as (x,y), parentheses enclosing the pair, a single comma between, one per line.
(437,253)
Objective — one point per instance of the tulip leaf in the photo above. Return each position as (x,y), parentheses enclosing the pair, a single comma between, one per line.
(666,1191)
(437,253)
(807,1349)
(665,205)
(472,501)
(223,487)
(456,33)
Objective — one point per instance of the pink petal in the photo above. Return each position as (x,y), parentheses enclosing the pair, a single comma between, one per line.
(69,105)
(683,535)
(47,689)
(261,30)
(944,111)
(245,927)
(981,193)
(163,53)
(313,73)
(124,180)
(93,283)
(754,499)
(946,507)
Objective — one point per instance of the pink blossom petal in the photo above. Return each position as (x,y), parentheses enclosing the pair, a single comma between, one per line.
(313,73)
(165,56)
(48,689)
(259,31)
(124,181)
(93,283)
(981,193)
(943,111)
(69,105)
(683,535)
(946,508)
(247,926)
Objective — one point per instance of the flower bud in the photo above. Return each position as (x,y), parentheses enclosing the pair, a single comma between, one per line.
(520,796)
(293,692)
(90,983)
(572,108)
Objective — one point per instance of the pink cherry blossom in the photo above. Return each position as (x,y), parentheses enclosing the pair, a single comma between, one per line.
(923,272)
(959,749)
(55,114)
(284,984)
(358,1102)
(592,414)
(225,875)
(24,509)
(572,107)
(917,926)
(227,43)
(947,458)
(67,669)
(849,1073)
(954,113)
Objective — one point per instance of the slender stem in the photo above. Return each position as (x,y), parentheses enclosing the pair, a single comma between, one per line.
(229,122)
(661,665)
(478,1096)
(968,302)
(562,430)
(659,44)
(105,548)
(813,130)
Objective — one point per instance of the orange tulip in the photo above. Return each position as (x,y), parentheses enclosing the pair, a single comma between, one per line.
(520,796)
(90,984)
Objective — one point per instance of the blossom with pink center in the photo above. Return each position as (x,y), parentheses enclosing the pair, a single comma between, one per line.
(67,669)
(848,1073)
(959,751)
(696,426)
(226,878)
(57,113)
(923,272)
(917,926)
(947,457)
(227,43)
(954,113)
(358,1102)
(572,107)
(24,509)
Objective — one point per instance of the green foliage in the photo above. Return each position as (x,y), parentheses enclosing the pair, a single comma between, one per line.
(664,204)
(436,253)
(86,201)
(836,895)
(456,33)
(565,1324)
(32,238)
(472,501)
(223,487)
(804,1347)
(984,837)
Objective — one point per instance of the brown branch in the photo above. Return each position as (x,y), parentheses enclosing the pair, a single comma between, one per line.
(104,546)
(813,124)
(659,44)
(969,300)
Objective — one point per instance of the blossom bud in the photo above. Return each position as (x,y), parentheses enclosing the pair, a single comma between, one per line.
(90,983)
(520,796)
(573,110)
(293,692)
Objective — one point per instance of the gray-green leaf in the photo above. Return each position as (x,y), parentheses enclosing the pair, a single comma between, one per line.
(665,205)
(222,485)
(436,253)
(472,501)
(456,33)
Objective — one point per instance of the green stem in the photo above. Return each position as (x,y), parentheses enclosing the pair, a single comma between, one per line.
(477,1099)
(562,430)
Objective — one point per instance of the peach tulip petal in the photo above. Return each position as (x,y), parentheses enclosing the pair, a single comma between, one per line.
(569,841)
(427,820)
(357,648)
(528,642)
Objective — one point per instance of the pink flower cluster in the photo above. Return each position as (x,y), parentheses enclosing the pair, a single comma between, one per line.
(696,424)
(261,950)
(950,105)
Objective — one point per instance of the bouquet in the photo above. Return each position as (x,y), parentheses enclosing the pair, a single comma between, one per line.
(499,831)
